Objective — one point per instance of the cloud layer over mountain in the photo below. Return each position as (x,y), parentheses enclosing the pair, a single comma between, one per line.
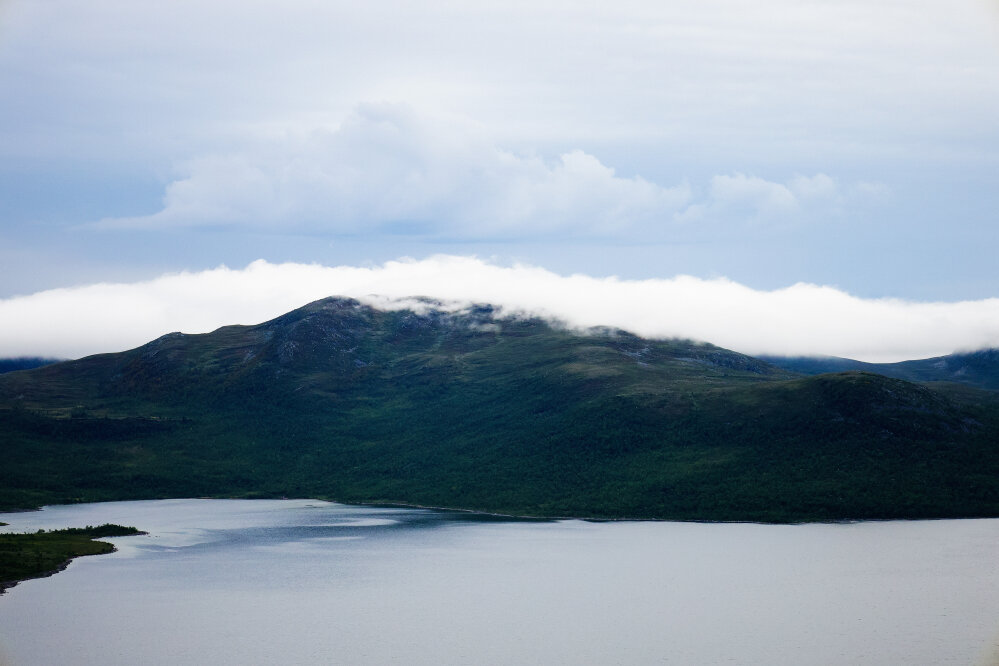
(800,319)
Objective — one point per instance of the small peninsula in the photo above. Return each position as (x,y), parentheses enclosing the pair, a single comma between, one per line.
(43,553)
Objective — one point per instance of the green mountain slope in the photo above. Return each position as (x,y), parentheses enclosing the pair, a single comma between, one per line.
(513,415)
(979,368)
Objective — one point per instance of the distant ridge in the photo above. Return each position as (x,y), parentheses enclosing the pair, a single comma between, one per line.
(978,368)
(24,363)
(477,410)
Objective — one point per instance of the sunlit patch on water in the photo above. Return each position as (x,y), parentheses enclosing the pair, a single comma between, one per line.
(305,545)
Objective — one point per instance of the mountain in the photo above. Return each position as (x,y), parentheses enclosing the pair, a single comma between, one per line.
(500,413)
(979,368)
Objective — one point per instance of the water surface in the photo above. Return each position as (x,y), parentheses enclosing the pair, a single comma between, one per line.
(309,582)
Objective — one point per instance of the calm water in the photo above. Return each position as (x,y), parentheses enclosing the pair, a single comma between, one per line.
(307,582)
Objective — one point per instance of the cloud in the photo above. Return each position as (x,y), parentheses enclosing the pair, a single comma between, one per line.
(741,197)
(790,78)
(800,319)
(388,169)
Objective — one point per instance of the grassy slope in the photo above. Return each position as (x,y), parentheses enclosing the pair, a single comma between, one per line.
(342,402)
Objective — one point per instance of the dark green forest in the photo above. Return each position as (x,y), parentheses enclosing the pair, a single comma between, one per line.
(513,415)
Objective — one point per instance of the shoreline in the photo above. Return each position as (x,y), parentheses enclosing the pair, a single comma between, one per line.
(30,555)
(517,516)
(8,584)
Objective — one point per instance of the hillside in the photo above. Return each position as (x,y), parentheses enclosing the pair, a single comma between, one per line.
(472,410)
(979,368)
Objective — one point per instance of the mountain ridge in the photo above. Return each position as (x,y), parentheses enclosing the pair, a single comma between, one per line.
(478,410)
(978,368)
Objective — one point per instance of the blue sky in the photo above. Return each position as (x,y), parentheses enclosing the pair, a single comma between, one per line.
(850,145)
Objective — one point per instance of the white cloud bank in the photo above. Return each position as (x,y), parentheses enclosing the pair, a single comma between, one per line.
(801,319)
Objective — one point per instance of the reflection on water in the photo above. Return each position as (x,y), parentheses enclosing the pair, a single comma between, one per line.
(302,581)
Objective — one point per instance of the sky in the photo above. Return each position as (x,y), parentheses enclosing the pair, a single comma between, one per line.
(785,176)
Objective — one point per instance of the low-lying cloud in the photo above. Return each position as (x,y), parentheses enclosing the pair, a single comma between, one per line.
(803,319)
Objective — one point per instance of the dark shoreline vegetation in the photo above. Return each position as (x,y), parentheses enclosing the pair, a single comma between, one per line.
(44,553)
(507,415)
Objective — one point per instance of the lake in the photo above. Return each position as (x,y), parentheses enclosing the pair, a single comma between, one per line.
(310,582)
